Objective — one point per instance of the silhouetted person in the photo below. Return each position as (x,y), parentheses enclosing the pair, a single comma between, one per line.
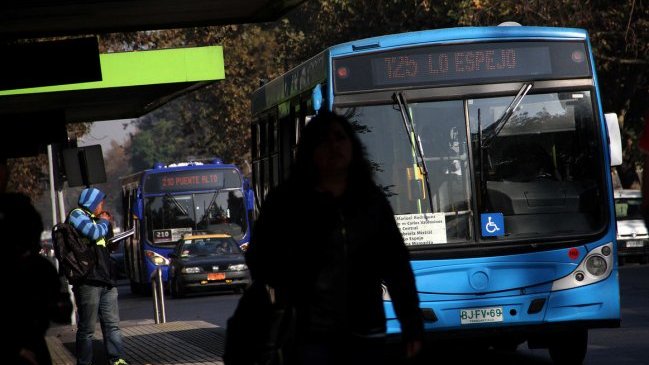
(35,295)
(326,240)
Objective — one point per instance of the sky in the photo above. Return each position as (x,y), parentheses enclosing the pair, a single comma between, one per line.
(104,132)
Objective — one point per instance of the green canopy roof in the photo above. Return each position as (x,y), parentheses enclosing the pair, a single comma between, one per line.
(133,83)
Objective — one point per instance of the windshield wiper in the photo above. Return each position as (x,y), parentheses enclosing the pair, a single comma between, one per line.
(415,143)
(489,135)
(176,203)
(209,207)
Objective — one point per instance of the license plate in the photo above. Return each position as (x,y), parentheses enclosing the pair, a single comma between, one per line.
(481,315)
(216,276)
(634,244)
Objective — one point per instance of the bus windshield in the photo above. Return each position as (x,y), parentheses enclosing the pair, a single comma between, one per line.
(169,216)
(541,171)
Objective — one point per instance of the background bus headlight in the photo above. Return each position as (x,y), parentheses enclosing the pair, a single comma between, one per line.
(156,258)
(596,265)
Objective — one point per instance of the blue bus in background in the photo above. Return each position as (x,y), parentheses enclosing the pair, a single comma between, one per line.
(493,149)
(168,201)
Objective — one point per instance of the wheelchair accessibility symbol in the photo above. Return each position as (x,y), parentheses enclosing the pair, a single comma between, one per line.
(493,224)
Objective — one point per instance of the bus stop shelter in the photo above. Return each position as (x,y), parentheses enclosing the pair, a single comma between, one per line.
(52,74)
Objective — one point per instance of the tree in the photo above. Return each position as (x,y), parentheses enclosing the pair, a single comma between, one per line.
(115,168)
(619,34)
(29,175)
(214,121)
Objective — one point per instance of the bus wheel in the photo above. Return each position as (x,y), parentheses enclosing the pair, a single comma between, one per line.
(507,345)
(569,347)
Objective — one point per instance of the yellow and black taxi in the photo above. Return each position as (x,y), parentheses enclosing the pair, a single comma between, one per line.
(206,262)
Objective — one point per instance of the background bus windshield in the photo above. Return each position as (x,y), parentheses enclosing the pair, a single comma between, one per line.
(219,210)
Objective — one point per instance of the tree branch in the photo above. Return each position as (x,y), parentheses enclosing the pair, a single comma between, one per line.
(624,61)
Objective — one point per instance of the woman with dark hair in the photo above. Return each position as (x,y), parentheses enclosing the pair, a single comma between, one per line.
(326,240)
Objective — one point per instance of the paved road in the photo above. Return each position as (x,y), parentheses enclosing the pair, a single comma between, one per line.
(625,345)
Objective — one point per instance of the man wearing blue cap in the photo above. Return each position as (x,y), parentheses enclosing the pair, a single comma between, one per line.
(96,295)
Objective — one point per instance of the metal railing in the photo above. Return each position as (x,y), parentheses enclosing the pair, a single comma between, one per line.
(157,288)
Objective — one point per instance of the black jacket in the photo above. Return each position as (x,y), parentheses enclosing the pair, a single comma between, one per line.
(104,272)
(330,256)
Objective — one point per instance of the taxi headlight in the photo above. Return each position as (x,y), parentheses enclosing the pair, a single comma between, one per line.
(191,270)
(596,265)
(238,267)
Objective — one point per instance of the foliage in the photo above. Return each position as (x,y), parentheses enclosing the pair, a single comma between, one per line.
(619,33)
(29,175)
(214,120)
(115,168)
(159,141)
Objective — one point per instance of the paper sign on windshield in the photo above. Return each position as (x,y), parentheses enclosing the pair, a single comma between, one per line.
(422,229)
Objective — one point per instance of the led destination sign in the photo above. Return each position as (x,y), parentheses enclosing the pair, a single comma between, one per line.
(436,66)
(461,64)
(191,180)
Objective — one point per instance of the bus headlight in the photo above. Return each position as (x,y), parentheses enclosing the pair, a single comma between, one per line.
(191,270)
(156,258)
(596,265)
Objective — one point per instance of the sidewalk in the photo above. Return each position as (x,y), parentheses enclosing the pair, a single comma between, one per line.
(177,343)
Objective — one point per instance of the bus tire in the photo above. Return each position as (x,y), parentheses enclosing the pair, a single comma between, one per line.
(510,345)
(569,347)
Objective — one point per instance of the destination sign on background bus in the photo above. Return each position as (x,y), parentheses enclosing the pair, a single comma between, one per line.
(461,64)
(190,180)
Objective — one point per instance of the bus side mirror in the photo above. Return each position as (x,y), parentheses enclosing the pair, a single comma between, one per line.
(138,209)
(316,98)
(249,194)
(614,138)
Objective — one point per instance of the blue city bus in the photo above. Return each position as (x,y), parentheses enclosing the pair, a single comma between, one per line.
(492,148)
(168,201)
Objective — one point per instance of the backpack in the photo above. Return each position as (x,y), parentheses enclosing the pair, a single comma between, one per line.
(76,256)
(261,331)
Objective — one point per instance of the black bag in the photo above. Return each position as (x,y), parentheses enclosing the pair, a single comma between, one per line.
(261,331)
(75,255)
